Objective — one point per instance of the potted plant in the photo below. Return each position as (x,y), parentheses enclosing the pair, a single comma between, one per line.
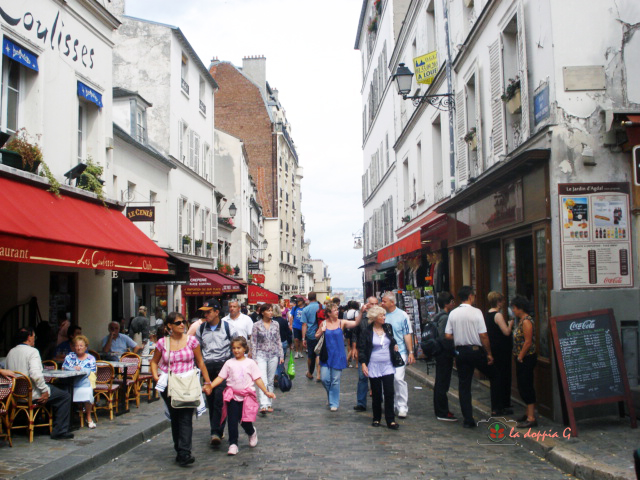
(236,270)
(186,240)
(378,6)
(472,139)
(90,179)
(373,25)
(406,218)
(20,153)
(198,243)
(511,96)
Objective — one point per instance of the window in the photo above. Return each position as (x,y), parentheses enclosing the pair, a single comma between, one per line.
(182,203)
(386,150)
(420,190)
(82,132)
(141,125)
(131,192)
(190,226)
(184,74)
(11,88)
(206,164)
(183,131)
(436,153)
(202,105)
(203,227)
(405,182)
(195,151)
(431,27)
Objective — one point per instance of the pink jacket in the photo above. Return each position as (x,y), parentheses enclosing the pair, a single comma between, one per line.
(249,406)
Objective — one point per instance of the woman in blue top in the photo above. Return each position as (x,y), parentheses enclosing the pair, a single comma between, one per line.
(79,359)
(334,360)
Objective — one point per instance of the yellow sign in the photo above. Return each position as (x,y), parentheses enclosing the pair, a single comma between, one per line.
(426,67)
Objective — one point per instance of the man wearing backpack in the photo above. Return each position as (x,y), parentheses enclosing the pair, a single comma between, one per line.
(309,327)
(214,336)
(444,361)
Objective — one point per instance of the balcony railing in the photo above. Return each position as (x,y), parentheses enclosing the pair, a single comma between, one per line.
(184,85)
(203,107)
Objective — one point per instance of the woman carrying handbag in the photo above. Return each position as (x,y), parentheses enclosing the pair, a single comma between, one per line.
(178,359)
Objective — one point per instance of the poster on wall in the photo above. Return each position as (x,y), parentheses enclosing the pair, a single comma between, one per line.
(595,235)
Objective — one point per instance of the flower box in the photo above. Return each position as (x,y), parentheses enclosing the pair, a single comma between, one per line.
(514,104)
(13,159)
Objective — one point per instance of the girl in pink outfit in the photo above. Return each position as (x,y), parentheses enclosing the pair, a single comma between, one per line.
(240,401)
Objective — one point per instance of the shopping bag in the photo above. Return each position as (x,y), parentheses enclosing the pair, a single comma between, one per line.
(291,367)
(284,382)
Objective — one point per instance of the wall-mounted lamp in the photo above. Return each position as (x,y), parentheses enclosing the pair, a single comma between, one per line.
(403,78)
(233,210)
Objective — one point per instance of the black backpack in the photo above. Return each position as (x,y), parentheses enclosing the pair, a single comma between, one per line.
(430,341)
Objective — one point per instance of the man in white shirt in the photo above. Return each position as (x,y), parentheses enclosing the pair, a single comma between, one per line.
(468,331)
(403,334)
(241,324)
(24,358)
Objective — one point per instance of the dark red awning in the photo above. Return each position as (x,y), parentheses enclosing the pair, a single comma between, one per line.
(408,244)
(261,295)
(210,283)
(39,227)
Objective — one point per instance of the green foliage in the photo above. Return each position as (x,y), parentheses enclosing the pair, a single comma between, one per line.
(512,88)
(90,179)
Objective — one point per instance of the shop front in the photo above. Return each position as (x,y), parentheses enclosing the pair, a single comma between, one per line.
(204,284)
(500,240)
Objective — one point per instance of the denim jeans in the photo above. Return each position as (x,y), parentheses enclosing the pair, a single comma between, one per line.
(268,371)
(363,387)
(331,381)
(281,366)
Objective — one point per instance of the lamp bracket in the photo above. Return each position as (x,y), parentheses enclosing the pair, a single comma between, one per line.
(443,102)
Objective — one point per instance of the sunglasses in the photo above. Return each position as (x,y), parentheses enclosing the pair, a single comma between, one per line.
(179,322)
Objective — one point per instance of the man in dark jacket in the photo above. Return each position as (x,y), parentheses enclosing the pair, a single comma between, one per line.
(444,361)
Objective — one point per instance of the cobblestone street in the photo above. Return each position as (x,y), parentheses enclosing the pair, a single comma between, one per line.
(303,439)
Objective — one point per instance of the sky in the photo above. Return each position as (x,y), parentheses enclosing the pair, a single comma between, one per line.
(311,60)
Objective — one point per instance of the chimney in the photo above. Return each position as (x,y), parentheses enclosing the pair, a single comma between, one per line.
(255,67)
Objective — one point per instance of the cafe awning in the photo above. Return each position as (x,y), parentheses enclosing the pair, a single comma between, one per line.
(261,295)
(408,244)
(39,227)
(210,283)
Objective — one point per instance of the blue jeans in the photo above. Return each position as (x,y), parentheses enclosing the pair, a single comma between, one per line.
(281,366)
(363,387)
(331,381)
(268,371)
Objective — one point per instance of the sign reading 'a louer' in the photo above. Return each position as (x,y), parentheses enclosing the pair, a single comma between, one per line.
(141,214)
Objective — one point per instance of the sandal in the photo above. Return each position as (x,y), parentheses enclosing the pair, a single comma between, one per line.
(375,424)
(309,376)
(269,409)
(263,411)
(393,426)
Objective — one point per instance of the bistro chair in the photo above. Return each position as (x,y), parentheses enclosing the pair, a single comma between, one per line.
(131,378)
(145,378)
(49,365)
(23,403)
(105,389)
(95,354)
(6,389)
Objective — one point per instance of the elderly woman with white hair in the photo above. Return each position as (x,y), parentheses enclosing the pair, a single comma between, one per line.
(376,347)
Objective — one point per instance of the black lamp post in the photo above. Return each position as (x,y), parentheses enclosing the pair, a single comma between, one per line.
(404,77)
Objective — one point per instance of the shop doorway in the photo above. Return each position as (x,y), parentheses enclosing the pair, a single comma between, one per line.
(62,298)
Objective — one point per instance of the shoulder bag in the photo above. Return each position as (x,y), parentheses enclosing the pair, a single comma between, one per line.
(318,347)
(184,391)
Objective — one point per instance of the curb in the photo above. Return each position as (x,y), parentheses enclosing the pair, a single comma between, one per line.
(565,459)
(75,465)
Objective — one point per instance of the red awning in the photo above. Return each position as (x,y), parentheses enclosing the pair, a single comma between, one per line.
(209,283)
(39,227)
(406,245)
(261,295)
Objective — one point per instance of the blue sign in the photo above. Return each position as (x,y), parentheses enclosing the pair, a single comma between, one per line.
(19,54)
(541,105)
(89,93)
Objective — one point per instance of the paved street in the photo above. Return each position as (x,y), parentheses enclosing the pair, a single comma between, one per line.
(303,439)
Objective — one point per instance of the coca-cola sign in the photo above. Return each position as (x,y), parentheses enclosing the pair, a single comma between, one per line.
(586,325)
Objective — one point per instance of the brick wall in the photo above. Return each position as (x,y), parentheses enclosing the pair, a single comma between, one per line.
(241,111)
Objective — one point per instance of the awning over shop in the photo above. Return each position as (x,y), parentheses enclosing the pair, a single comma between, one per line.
(209,284)
(408,244)
(19,54)
(261,295)
(39,227)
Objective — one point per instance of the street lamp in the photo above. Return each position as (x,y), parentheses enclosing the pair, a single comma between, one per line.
(232,210)
(404,77)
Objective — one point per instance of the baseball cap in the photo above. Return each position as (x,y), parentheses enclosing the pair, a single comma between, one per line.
(212,303)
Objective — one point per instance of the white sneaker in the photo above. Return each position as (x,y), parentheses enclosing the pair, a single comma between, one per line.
(402,413)
(91,424)
(253,438)
(334,409)
(233,449)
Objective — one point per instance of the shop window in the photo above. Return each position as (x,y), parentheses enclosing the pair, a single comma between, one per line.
(82,132)
(12,80)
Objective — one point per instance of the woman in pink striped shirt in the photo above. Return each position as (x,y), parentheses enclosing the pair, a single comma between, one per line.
(184,350)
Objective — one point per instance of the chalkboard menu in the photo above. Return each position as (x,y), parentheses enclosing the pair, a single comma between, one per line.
(590,361)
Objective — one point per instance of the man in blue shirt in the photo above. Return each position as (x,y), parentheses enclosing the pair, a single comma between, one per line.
(296,316)
(117,343)
(403,334)
(309,327)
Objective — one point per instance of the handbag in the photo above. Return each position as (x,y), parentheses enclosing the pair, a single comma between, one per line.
(284,382)
(184,391)
(291,367)
(318,347)
(396,359)
(92,380)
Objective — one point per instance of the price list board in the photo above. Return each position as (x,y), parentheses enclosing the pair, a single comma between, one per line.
(590,360)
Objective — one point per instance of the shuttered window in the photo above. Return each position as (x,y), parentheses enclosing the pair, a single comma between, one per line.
(497,107)
(461,130)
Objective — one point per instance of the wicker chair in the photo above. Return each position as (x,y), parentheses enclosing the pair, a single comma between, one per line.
(49,365)
(105,389)
(95,354)
(133,372)
(22,402)
(145,378)
(6,389)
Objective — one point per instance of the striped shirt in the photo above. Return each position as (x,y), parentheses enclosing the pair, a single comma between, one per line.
(181,360)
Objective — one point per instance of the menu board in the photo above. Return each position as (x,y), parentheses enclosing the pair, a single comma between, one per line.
(595,235)
(590,360)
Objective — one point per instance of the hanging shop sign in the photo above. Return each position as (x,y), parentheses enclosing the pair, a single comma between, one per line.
(426,67)
(258,278)
(595,235)
(141,214)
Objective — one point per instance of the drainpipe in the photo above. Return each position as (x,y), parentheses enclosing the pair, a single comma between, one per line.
(452,157)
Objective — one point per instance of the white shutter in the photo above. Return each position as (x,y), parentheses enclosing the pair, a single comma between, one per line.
(196,152)
(189,226)
(479,160)
(522,73)
(180,141)
(179,224)
(461,130)
(497,107)
(391,216)
(191,149)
